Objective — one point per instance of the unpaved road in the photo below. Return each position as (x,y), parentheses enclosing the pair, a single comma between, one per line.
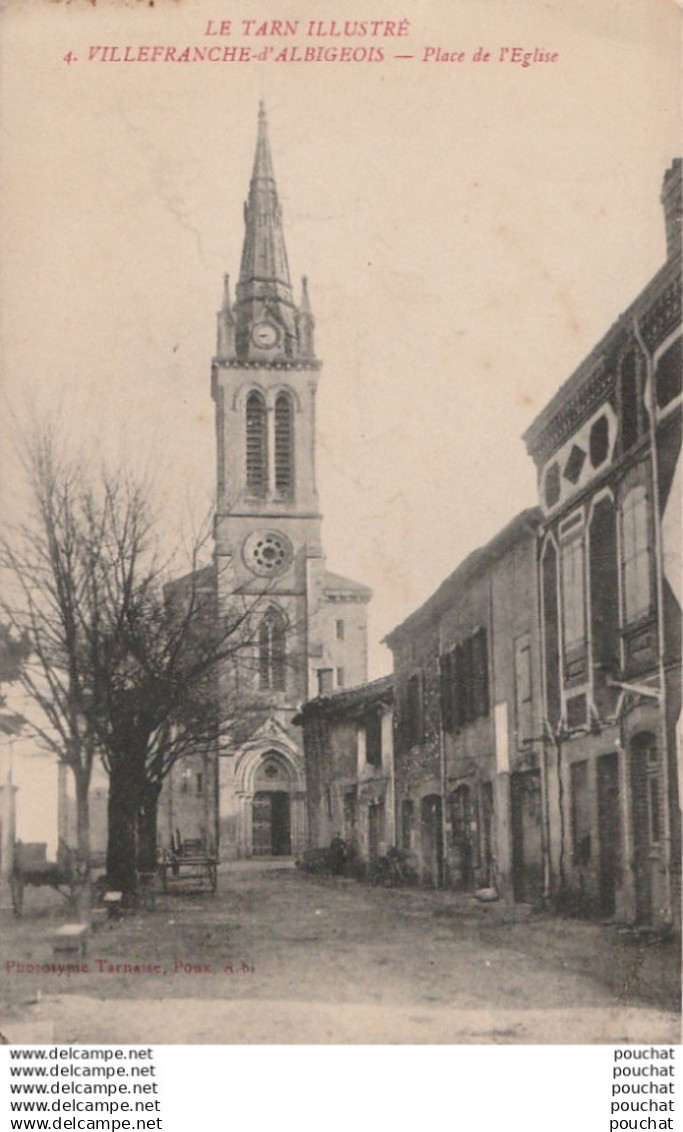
(280,957)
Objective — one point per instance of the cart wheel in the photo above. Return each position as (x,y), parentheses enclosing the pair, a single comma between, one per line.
(17,889)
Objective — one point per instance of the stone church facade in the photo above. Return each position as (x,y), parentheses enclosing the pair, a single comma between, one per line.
(307,627)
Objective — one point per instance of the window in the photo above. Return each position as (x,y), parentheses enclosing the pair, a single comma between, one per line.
(604,597)
(552,485)
(573,594)
(325,681)
(341,678)
(271,649)
(414,724)
(551,634)
(284,445)
(257,445)
(460,698)
(636,557)
(373,738)
(523,705)
(629,403)
(669,374)
(464,682)
(479,674)
(634,419)
(339,630)
(200,783)
(446,691)
(598,443)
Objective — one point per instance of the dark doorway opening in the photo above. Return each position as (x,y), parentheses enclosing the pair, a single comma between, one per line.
(271,824)
(527,851)
(609,831)
(375,828)
(645,801)
(462,823)
(432,841)
(487,833)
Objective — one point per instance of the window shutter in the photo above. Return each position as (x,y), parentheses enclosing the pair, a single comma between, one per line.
(446,690)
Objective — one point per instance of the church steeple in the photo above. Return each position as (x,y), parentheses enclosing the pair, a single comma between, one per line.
(265,371)
(265,313)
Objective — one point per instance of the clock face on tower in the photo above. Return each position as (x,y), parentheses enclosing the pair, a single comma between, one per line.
(265,335)
(267,553)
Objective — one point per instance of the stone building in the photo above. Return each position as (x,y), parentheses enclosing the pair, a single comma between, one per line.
(470,776)
(308,625)
(607,453)
(348,748)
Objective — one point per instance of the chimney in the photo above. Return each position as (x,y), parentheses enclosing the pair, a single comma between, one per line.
(672,202)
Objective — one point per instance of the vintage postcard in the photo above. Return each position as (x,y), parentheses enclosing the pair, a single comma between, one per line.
(340,611)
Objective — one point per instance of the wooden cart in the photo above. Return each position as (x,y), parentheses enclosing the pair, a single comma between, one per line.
(188,867)
(30,867)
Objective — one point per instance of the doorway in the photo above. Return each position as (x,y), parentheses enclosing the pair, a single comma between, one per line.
(525,820)
(609,832)
(432,841)
(271,824)
(462,824)
(375,828)
(645,803)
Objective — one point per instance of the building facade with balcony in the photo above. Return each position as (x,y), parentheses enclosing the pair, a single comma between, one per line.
(607,453)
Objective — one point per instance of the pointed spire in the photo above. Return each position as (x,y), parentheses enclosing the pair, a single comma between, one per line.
(226,324)
(263,164)
(227,303)
(265,324)
(264,258)
(305,304)
(305,323)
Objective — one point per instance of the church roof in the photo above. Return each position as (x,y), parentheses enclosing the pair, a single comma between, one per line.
(335,585)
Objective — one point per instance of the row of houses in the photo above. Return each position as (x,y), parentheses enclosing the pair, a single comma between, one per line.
(527,739)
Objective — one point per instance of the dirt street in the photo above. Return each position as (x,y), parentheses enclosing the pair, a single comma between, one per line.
(281,957)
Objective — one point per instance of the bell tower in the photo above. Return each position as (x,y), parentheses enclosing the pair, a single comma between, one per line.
(307,626)
(265,375)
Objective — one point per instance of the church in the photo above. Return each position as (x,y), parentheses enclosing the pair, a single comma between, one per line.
(307,626)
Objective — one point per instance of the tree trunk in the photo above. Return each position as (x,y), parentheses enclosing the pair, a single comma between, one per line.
(126,782)
(80,878)
(147,827)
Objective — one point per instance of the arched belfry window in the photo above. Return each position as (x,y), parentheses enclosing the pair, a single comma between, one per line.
(257,444)
(271,651)
(284,445)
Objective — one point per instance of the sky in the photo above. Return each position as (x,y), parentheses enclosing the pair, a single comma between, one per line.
(469,231)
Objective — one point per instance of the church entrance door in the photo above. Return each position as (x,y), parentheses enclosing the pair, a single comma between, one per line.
(271,824)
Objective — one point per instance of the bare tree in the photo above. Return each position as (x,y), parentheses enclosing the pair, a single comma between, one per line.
(45,565)
(124,664)
(159,698)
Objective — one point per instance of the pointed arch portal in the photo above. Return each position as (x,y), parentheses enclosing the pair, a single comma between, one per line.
(271,788)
